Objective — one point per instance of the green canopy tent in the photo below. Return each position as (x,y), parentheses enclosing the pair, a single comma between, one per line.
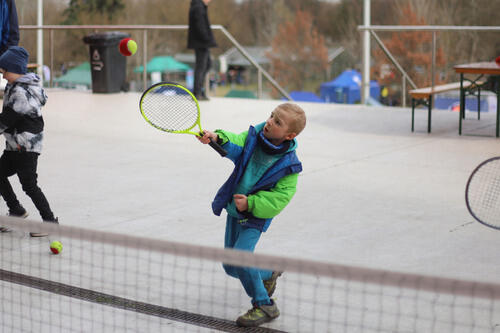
(77,76)
(163,64)
(241,94)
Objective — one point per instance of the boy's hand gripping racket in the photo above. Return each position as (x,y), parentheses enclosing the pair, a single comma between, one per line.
(482,194)
(172,108)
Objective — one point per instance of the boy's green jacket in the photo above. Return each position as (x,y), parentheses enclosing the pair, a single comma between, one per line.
(270,193)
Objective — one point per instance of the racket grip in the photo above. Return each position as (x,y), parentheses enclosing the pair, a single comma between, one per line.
(217,147)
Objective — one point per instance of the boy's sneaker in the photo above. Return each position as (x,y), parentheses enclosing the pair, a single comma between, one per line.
(270,284)
(259,315)
(18,212)
(44,234)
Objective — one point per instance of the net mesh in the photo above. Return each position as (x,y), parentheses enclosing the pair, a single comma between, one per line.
(169,108)
(483,193)
(106,282)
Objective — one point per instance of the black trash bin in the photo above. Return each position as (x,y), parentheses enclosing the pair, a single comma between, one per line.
(108,65)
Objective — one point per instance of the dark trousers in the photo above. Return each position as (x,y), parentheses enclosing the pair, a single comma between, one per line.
(23,164)
(201,68)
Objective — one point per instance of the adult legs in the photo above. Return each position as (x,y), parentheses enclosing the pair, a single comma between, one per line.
(202,66)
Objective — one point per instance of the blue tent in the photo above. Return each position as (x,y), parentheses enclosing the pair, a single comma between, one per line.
(345,88)
(305,96)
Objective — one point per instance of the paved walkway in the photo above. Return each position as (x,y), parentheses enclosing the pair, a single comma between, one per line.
(372,193)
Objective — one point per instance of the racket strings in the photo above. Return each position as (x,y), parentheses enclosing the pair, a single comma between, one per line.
(484,193)
(170,108)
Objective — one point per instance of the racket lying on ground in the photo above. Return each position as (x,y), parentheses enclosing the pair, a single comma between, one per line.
(482,194)
(172,108)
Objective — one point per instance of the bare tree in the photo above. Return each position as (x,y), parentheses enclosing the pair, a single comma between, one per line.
(412,49)
(298,52)
(256,22)
(260,18)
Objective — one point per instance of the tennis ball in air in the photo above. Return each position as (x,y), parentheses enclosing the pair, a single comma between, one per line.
(128,47)
(56,247)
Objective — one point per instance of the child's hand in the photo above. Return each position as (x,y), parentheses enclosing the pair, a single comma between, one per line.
(241,202)
(206,137)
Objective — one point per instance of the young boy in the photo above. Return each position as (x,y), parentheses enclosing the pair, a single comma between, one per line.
(262,184)
(21,123)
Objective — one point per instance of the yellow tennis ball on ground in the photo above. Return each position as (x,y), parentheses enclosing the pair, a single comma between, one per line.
(56,247)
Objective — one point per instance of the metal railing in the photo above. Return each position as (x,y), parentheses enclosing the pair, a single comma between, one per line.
(430,28)
(145,29)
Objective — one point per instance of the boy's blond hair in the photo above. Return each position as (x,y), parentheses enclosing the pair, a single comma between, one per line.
(298,116)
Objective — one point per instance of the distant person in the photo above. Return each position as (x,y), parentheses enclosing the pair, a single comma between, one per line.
(21,123)
(201,39)
(262,184)
(384,94)
(9,25)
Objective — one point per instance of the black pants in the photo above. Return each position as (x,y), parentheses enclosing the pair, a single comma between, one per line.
(23,164)
(201,68)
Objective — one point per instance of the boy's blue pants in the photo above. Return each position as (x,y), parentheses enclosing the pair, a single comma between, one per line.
(243,238)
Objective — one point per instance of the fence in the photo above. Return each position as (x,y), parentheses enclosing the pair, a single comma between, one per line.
(145,28)
(432,28)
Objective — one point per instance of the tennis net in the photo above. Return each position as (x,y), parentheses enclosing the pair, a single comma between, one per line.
(108,282)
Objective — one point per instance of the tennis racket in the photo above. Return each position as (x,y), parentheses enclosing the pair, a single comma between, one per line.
(482,194)
(172,108)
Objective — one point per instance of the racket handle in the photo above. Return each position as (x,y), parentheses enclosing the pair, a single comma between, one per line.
(217,147)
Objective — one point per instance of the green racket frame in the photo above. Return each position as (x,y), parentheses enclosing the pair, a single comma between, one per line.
(189,130)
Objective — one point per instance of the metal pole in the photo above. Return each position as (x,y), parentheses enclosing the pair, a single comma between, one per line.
(498,106)
(252,61)
(433,68)
(462,100)
(144,57)
(403,92)
(259,84)
(331,58)
(365,83)
(39,49)
(220,27)
(51,34)
(393,60)
(161,27)
(429,28)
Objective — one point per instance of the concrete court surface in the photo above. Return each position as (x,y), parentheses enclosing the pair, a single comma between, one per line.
(372,193)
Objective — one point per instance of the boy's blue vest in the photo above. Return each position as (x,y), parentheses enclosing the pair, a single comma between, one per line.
(286,165)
